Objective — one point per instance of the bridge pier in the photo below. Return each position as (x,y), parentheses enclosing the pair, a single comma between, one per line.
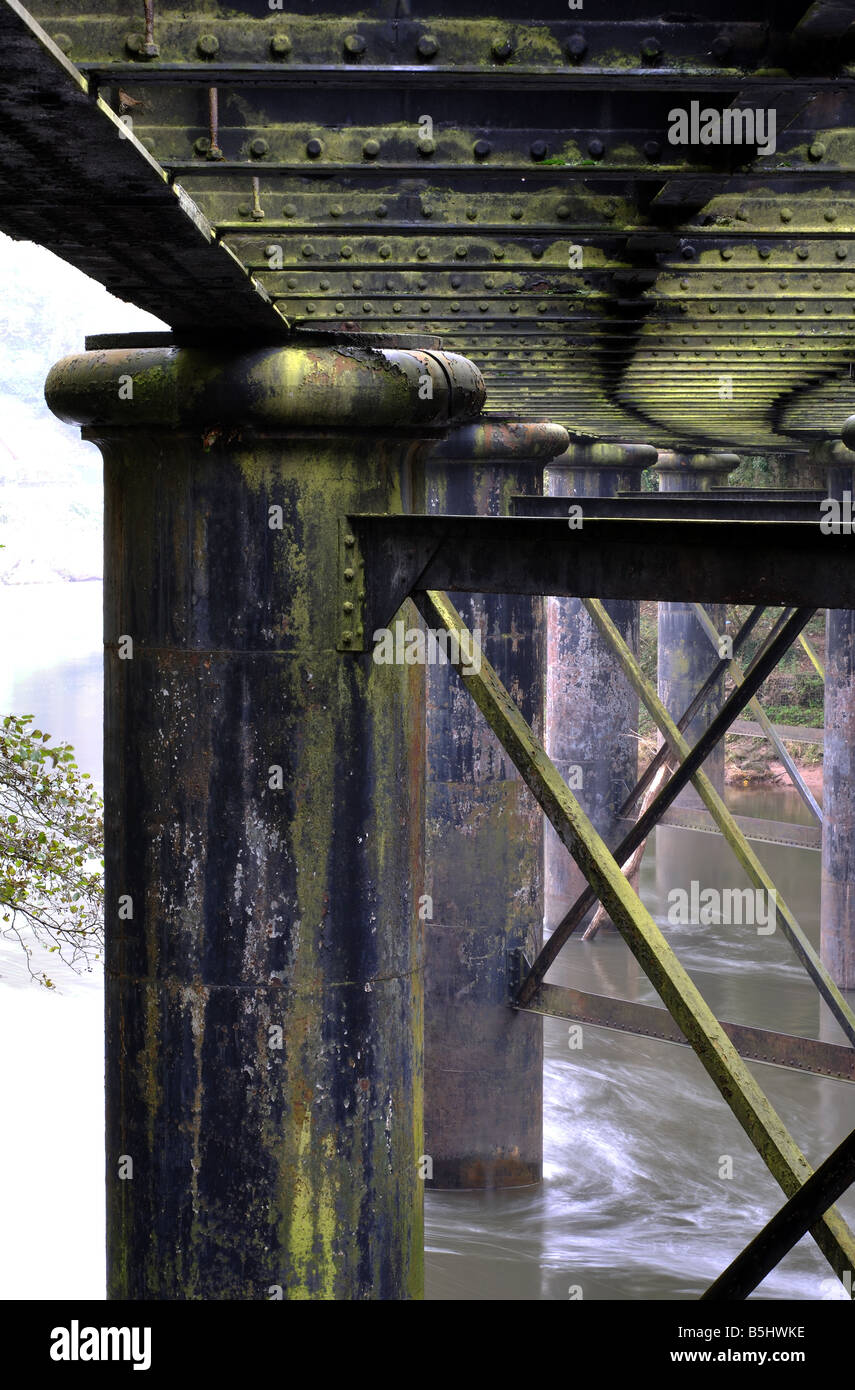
(686,655)
(483,1060)
(591,712)
(837,899)
(264,844)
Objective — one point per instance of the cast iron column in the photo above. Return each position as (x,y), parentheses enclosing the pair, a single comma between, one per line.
(686,655)
(483,1060)
(591,711)
(837,903)
(264,802)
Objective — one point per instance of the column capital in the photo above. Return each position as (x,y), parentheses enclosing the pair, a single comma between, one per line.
(696,464)
(315,388)
(500,438)
(601,453)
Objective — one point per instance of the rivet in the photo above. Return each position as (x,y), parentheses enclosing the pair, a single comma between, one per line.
(712,308)
(348,607)
(422,253)
(289,210)
(684,284)
(348,574)
(427,210)
(346,252)
(460,252)
(502,48)
(422,282)
(208,45)
(481,149)
(538,149)
(516,214)
(280,45)
(346,637)
(764,252)
(482,307)
(577,46)
(472,214)
(800,308)
(202,145)
(610,208)
(454,306)
(542,307)
(349,540)
(385,251)
(425,307)
(596,149)
(783,281)
(314,148)
(367,306)
(381,210)
(563,211)
(687,252)
(489,283)
(427,46)
(786,214)
(830,214)
(721,47)
(840,252)
(371,149)
(339,308)
(742,213)
(828,308)
(802,253)
(63,43)
(537,251)
(390,283)
(258,148)
(817,150)
(308,250)
(652,149)
(770,308)
(456,281)
(650,48)
(354,45)
(498,253)
(292,281)
(357,284)
(310,308)
(426,148)
(726,253)
(336,210)
(323,285)
(396,308)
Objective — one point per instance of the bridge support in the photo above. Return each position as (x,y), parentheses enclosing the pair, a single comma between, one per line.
(837,901)
(686,655)
(264,794)
(483,1061)
(591,711)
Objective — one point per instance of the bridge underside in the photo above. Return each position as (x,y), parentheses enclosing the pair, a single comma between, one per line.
(511,183)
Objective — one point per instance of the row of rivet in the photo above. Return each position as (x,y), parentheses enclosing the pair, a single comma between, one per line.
(354,47)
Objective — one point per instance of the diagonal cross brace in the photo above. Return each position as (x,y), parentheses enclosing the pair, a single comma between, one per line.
(690,768)
(674,986)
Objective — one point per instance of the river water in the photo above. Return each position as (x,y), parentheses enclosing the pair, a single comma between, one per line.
(632,1206)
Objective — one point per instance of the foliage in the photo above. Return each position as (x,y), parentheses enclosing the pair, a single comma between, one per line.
(51,840)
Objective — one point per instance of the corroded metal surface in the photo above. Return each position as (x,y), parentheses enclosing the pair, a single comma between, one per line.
(264,830)
(483,1071)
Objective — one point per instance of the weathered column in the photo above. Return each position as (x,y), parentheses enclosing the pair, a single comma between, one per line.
(686,655)
(591,712)
(837,902)
(264,802)
(483,1060)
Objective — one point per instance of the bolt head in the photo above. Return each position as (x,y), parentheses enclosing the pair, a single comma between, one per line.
(427,46)
(381,210)
(258,148)
(208,46)
(314,148)
(371,149)
(460,252)
(354,45)
(202,145)
(385,251)
(280,45)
